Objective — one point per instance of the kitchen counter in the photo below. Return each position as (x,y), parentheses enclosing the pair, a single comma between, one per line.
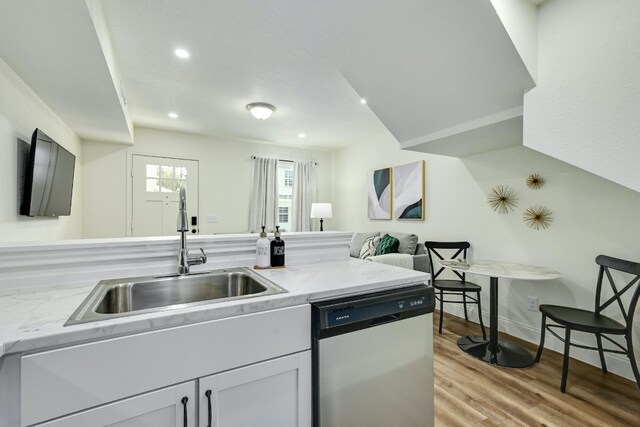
(32,319)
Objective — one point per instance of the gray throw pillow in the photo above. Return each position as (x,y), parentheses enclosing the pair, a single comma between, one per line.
(408,242)
(357,241)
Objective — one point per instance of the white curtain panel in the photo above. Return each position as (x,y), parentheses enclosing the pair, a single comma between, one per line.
(304,194)
(264,197)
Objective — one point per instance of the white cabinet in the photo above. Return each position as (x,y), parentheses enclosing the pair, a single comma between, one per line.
(275,393)
(167,407)
(257,366)
(137,364)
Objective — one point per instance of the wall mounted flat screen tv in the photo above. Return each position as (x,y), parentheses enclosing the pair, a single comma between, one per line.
(48,178)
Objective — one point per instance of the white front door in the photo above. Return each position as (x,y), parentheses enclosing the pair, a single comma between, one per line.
(156,183)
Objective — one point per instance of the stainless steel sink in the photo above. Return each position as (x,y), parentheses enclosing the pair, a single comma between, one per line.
(126,297)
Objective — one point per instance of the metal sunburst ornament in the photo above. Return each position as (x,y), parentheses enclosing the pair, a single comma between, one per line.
(538,217)
(535,181)
(502,199)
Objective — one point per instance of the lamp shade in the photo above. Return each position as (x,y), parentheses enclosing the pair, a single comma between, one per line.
(321,210)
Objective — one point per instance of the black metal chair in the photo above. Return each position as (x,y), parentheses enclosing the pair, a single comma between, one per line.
(453,287)
(594,321)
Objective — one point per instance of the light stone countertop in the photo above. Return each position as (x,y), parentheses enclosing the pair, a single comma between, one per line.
(32,319)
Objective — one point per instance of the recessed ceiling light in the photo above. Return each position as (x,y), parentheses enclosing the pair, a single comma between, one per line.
(173,115)
(181,53)
(363,101)
(301,135)
(261,110)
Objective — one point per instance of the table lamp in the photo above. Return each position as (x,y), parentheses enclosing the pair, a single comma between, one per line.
(321,210)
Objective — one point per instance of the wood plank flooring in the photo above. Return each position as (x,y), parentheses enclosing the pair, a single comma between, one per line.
(471,393)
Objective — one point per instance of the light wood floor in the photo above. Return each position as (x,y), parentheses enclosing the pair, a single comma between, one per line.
(471,393)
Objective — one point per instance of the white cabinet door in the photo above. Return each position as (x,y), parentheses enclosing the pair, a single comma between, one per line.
(162,408)
(276,393)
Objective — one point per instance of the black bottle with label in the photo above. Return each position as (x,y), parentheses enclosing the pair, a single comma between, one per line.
(277,250)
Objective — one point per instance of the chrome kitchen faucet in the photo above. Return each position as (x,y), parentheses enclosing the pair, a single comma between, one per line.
(184,259)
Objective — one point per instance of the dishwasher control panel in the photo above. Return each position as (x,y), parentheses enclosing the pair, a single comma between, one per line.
(379,310)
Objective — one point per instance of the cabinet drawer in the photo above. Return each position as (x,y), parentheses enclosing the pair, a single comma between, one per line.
(67,380)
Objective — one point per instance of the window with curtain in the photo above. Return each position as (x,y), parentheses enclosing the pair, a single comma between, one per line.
(282,194)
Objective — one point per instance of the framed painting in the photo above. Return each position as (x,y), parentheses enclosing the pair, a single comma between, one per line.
(408,191)
(379,194)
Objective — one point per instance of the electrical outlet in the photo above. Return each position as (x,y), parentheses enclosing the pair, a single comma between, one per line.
(533,303)
(212,218)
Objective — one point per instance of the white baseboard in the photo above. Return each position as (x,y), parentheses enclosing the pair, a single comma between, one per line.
(617,364)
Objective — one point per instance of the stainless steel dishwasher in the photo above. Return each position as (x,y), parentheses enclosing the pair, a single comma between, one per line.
(373,360)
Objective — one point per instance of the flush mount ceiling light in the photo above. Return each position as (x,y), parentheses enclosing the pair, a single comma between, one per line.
(302,135)
(261,110)
(173,115)
(181,53)
(363,101)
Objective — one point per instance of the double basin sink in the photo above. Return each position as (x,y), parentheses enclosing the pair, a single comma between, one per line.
(125,297)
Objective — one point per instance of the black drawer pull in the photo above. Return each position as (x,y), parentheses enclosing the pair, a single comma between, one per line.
(208,394)
(184,404)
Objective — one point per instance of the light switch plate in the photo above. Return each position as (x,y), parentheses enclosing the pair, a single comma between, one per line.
(211,218)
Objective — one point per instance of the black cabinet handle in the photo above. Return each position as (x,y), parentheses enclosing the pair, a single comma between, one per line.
(184,404)
(208,394)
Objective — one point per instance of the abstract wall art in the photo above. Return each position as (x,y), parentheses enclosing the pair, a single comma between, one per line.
(408,191)
(379,194)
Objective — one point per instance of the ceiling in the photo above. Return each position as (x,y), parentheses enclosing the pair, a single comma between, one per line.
(422,65)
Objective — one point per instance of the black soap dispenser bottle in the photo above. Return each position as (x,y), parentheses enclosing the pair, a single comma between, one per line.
(277,250)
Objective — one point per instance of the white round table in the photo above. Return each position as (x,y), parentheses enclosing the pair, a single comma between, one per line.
(496,351)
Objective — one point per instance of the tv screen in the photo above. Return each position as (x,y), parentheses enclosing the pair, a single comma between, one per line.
(49,178)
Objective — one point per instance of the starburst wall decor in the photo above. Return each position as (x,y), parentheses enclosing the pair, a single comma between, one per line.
(535,181)
(502,199)
(538,217)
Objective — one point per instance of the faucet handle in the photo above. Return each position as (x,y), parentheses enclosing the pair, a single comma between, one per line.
(197,259)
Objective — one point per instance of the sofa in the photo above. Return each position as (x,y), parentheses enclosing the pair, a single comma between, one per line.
(408,245)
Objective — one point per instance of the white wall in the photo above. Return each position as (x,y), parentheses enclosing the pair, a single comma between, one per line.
(225,169)
(590,216)
(21,112)
(519,18)
(585,108)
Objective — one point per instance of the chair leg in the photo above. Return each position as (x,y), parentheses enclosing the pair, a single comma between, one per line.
(632,359)
(464,302)
(441,310)
(484,334)
(565,360)
(543,330)
(602,361)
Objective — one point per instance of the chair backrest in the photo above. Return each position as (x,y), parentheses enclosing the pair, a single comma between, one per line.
(607,264)
(434,249)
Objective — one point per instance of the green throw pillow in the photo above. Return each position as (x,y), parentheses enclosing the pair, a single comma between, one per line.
(388,245)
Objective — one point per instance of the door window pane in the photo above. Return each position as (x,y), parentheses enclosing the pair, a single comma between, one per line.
(153,171)
(165,179)
(181,172)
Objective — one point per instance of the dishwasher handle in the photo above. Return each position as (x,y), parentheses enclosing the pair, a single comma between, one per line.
(384,319)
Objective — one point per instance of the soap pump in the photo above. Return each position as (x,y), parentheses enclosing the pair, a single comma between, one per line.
(277,250)
(263,246)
